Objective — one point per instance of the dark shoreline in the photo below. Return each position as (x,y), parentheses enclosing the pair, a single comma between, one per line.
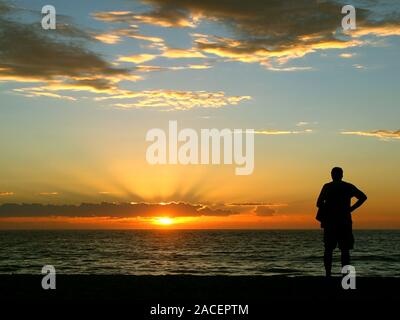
(187,288)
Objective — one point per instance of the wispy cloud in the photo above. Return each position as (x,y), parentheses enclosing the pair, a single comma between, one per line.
(382,134)
(282,132)
(264,211)
(346,55)
(139,58)
(148,68)
(117,35)
(114,210)
(166,53)
(167,17)
(289,69)
(269,204)
(259,208)
(6,193)
(182,53)
(302,123)
(359,66)
(175,99)
(108,38)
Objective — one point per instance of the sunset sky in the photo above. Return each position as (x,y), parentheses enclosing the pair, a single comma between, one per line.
(76,103)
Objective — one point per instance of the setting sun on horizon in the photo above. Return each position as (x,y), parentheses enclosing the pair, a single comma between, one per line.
(165,221)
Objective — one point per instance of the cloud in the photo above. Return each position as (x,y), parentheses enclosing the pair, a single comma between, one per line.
(62,66)
(382,134)
(379,29)
(37,92)
(346,55)
(182,53)
(6,193)
(289,69)
(197,66)
(93,84)
(148,68)
(255,51)
(108,38)
(258,204)
(28,54)
(302,123)
(282,132)
(139,58)
(165,100)
(264,211)
(359,66)
(267,30)
(259,208)
(116,35)
(175,99)
(167,17)
(113,210)
(167,53)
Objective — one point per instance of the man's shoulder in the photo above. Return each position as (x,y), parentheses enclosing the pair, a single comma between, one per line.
(349,185)
(339,184)
(330,184)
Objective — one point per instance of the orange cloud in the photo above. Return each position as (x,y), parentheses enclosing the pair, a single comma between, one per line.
(182,53)
(165,18)
(6,193)
(116,35)
(282,132)
(108,38)
(253,51)
(382,134)
(176,100)
(140,58)
(346,55)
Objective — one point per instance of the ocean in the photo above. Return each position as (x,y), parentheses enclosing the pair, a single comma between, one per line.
(197,252)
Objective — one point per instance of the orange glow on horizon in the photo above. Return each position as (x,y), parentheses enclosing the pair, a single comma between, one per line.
(240,221)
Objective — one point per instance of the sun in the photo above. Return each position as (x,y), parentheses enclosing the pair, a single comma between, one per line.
(165,221)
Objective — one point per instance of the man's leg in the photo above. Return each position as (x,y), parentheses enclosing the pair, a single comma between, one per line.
(328,261)
(330,245)
(345,257)
(346,242)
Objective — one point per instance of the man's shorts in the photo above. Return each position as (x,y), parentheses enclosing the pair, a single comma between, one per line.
(338,235)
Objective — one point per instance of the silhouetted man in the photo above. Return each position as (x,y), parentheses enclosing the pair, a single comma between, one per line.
(334,213)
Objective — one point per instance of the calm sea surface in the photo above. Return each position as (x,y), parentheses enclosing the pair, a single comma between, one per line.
(220,252)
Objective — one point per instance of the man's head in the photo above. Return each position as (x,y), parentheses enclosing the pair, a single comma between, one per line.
(337,174)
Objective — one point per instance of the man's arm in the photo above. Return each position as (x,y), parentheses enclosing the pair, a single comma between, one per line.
(321,198)
(361,198)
